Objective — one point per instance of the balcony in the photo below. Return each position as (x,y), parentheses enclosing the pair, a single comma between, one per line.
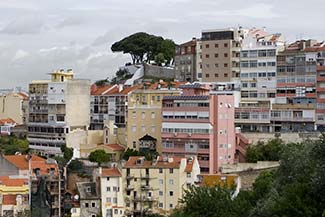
(144,199)
(146,176)
(129,188)
(294,106)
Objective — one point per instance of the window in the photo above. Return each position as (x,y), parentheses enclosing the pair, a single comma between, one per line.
(225,44)
(115,200)
(161,181)
(216,75)
(207,65)
(171,170)
(188,175)
(171,205)
(225,55)
(171,193)
(134,144)
(93,204)
(216,45)
(207,55)
(153,129)
(143,128)
(158,98)
(134,114)
(171,181)
(216,65)
(108,200)
(108,188)
(143,115)
(216,55)
(161,205)
(115,211)
(161,193)
(153,98)
(153,115)
(86,205)
(114,188)
(207,46)
(134,129)
(160,170)
(225,75)
(207,75)
(225,65)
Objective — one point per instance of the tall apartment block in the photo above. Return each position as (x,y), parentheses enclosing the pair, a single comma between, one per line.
(220,54)
(295,105)
(108,103)
(144,114)
(199,124)
(318,49)
(156,186)
(186,61)
(258,80)
(57,107)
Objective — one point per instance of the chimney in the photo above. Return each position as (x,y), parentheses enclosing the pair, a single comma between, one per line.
(120,88)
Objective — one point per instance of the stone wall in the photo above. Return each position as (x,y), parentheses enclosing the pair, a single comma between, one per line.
(158,71)
(286,137)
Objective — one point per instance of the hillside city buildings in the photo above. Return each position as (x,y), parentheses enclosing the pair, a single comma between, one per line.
(185,130)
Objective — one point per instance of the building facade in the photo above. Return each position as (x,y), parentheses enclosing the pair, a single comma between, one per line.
(258,80)
(220,54)
(199,124)
(56,108)
(144,112)
(14,105)
(294,109)
(156,186)
(186,61)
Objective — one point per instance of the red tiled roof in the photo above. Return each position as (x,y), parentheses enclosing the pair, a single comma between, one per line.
(9,199)
(7,121)
(7,181)
(98,90)
(189,167)
(111,172)
(159,164)
(115,147)
(24,95)
(21,162)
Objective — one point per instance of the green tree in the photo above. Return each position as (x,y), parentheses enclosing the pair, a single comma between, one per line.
(144,47)
(269,151)
(99,156)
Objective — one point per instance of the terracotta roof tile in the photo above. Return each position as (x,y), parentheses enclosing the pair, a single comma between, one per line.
(189,167)
(111,172)
(7,121)
(9,199)
(8,181)
(99,90)
(160,163)
(21,162)
(115,147)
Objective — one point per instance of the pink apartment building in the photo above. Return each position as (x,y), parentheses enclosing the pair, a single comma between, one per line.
(199,123)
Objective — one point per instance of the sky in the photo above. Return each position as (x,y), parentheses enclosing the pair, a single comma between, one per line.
(39,36)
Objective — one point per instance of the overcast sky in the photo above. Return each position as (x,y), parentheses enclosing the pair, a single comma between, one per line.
(39,36)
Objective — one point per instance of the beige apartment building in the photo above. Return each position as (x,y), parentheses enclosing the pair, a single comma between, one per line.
(220,54)
(156,186)
(14,105)
(144,114)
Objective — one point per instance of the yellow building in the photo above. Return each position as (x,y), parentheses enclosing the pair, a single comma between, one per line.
(144,113)
(14,105)
(156,186)
(14,195)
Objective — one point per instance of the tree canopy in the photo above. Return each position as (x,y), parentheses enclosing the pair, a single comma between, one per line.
(11,144)
(144,47)
(99,156)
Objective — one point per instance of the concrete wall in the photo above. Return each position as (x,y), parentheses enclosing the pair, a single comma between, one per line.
(11,106)
(286,137)
(6,168)
(241,167)
(77,103)
(158,71)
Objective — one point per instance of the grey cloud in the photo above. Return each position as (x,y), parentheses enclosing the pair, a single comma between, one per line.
(24,25)
(71,21)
